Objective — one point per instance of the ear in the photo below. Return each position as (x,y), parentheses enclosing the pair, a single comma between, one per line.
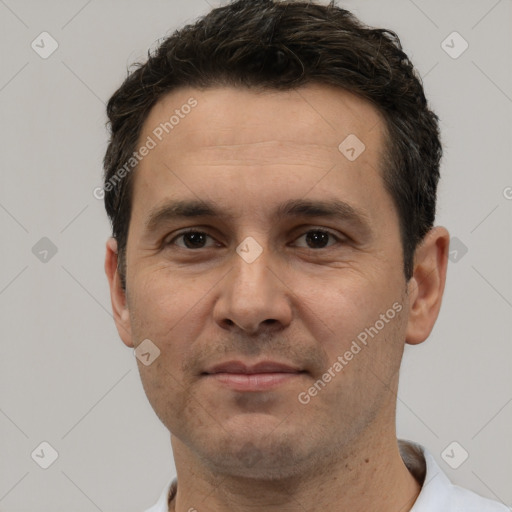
(117,294)
(426,285)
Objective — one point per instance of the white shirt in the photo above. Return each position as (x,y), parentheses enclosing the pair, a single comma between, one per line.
(437,494)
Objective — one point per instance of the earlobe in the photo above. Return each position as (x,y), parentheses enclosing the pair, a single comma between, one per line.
(426,286)
(117,294)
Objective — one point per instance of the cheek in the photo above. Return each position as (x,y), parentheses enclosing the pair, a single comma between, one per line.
(169,312)
(161,300)
(165,392)
(343,305)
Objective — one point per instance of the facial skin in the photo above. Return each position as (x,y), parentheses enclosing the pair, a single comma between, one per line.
(301,302)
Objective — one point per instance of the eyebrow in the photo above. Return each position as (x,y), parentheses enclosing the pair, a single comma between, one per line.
(192,209)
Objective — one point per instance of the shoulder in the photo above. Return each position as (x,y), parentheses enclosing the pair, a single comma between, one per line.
(465,500)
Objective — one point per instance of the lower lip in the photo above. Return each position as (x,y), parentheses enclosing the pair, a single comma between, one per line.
(254,381)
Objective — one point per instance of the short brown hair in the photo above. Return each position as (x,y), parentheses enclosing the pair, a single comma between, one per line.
(283,45)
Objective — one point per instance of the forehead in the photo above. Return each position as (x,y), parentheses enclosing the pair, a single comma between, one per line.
(203,139)
(313,114)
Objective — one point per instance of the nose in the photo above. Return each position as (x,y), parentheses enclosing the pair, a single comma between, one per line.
(254,297)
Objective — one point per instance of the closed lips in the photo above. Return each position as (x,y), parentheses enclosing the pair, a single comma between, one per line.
(238,367)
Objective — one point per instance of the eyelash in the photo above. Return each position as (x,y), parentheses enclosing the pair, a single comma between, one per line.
(196,231)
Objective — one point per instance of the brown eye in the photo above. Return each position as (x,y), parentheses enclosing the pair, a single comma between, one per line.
(192,239)
(318,238)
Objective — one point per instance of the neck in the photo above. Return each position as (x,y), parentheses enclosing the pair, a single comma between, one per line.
(369,476)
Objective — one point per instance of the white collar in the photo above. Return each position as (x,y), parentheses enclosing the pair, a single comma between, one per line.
(438,494)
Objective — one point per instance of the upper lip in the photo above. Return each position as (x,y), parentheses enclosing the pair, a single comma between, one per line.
(261,367)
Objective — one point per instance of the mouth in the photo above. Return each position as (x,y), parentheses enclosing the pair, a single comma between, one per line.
(262,376)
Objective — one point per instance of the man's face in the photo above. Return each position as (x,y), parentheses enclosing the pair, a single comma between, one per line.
(319,282)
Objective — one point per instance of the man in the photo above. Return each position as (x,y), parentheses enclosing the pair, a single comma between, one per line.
(272,355)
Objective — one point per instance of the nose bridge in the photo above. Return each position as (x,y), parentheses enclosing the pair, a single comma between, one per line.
(251,276)
(252,293)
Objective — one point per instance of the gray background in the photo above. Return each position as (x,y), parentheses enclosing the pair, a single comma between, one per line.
(65,376)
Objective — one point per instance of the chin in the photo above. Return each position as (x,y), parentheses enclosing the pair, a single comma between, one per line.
(258,457)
